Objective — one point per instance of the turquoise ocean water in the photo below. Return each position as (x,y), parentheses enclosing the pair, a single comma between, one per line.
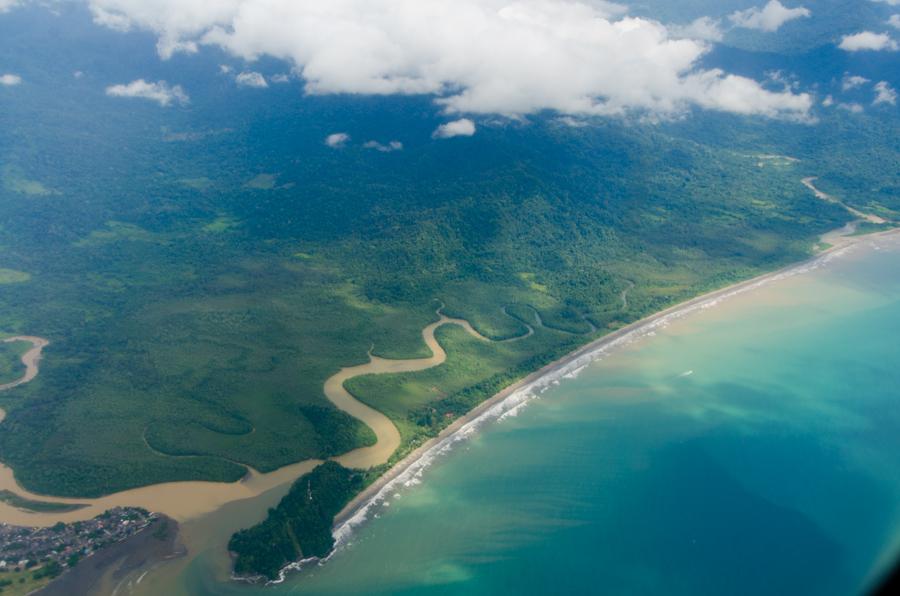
(750,448)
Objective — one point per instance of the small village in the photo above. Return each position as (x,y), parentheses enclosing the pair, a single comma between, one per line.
(51,550)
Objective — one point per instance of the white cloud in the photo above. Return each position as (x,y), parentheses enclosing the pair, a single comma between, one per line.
(884,93)
(7,5)
(704,28)
(889,2)
(280,78)
(177,22)
(10,80)
(337,140)
(251,79)
(768,18)
(853,108)
(828,101)
(852,82)
(572,122)
(867,40)
(458,128)
(894,21)
(508,57)
(224,69)
(390,147)
(160,92)
(782,79)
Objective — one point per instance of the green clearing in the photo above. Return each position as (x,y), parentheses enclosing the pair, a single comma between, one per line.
(11,276)
(201,183)
(223,223)
(262,182)
(114,232)
(15,181)
(24,581)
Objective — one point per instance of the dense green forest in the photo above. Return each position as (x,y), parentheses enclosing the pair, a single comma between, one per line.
(11,367)
(202,269)
(300,526)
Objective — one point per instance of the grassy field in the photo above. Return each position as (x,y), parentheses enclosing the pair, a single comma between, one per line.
(19,583)
(11,276)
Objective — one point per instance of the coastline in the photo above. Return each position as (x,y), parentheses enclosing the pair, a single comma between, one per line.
(505,402)
(608,444)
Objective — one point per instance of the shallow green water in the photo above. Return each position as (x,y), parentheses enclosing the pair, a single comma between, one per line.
(772,467)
